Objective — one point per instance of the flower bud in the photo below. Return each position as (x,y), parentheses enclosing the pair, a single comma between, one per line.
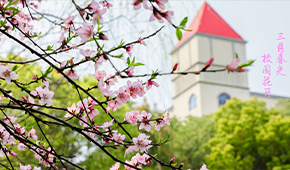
(171,161)
(24,98)
(181,165)
(174,67)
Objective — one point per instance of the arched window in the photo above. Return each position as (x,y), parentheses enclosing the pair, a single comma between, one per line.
(192,102)
(222,98)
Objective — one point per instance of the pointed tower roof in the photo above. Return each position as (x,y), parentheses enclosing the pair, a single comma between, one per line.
(207,21)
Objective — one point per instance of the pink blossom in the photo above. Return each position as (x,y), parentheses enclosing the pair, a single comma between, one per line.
(107,124)
(25,167)
(119,138)
(92,114)
(164,121)
(44,94)
(130,149)
(141,143)
(97,12)
(105,89)
(82,105)
(100,74)
(168,16)
(100,61)
(128,49)
(32,134)
(150,83)
(9,119)
(112,81)
(156,15)
(234,66)
(161,3)
(6,72)
(203,167)
(62,39)
(146,123)
(130,71)
(68,23)
(45,82)
(21,146)
(123,95)
(111,105)
(13,154)
(73,109)
(86,32)
(87,53)
(72,73)
(137,4)
(131,117)
(115,166)
(141,41)
(106,4)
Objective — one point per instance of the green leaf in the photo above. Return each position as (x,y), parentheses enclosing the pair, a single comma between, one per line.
(48,71)
(35,35)
(73,86)
(178,34)
(133,61)
(49,78)
(92,39)
(15,67)
(237,55)
(183,22)
(137,64)
(30,125)
(119,56)
(155,155)
(128,61)
(247,64)
(49,48)
(167,140)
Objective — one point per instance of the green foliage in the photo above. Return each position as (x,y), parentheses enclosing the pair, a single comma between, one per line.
(248,136)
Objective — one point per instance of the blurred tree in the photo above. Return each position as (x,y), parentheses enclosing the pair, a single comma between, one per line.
(248,136)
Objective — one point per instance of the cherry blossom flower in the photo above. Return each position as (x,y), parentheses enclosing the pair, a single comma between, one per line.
(128,49)
(21,146)
(161,3)
(141,143)
(146,123)
(107,124)
(150,83)
(100,74)
(123,95)
(68,23)
(25,167)
(137,4)
(92,114)
(86,32)
(234,66)
(115,166)
(131,117)
(87,53)
(119,138)
(130,71)
(62,39)
(32,134)
(164,121)
(45,82)
(156,15)
(106,4)
(72,73)
(6,72)
(111,105)
(97,12)
(203,167)
(44,94)
(73,109)
(141,41)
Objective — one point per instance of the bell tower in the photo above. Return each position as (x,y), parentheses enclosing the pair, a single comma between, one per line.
(202,94)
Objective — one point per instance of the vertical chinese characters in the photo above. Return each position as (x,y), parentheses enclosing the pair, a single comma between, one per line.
(280,59)
(267,73)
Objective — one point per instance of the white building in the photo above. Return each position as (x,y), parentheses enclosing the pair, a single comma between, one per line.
(202,94)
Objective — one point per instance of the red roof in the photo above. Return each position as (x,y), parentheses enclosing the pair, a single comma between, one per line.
(207,21)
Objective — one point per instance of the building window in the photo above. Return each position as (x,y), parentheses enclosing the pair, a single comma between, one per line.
(222,98)
(192,102)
